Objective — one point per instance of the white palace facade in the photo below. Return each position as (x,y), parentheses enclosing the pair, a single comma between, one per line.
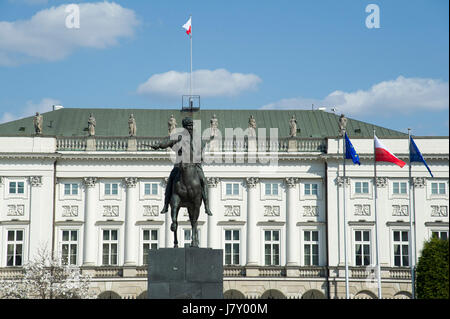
(96,201)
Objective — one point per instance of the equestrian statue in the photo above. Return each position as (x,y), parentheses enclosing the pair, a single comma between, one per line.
(187,185)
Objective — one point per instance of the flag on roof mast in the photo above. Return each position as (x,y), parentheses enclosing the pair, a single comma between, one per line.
(416,156)
(382,154)
(187,26)
(350,152)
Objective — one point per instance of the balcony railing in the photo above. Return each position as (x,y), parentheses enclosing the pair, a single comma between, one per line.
(120,143)
(363,273)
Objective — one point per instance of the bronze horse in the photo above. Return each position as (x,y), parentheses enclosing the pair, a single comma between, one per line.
(186,192)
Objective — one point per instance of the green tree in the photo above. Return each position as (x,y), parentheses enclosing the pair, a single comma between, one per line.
(432,270)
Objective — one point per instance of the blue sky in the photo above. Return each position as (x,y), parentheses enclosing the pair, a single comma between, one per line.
(246,54)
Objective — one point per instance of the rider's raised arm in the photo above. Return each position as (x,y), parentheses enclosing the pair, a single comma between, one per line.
(167,142)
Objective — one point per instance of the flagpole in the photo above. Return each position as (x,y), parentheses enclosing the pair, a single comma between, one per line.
(190,84)
(412,209)
(376,219)
(344,150)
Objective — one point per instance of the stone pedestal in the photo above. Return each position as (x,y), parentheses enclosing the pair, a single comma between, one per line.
(185,273)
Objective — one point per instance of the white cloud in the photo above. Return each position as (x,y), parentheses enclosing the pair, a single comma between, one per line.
(218,82)
(45,35)
(402,95)
(30,108)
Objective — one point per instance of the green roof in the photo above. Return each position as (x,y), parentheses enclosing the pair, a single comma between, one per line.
(153,122)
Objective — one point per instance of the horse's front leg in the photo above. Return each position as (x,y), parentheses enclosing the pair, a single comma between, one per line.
(174,208)
(194,217)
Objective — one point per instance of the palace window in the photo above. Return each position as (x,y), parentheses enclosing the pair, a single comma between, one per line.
(311,189)
(16,187)
(111,189)
(110,247)
(149,241)
(438,188)
(14,251)
(399,187)
(151,189)
(440,234)
(361,187)
(401,248)
(232,188)
(271,189)
(70,189)
(311,247)
(272,247)
(362,247)
(69,247)
(232,247)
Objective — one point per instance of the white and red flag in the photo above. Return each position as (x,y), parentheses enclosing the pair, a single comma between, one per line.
(187,26)
(382,154)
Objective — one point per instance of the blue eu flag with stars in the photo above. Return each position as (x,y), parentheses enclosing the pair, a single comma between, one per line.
(416,156)
(350,152)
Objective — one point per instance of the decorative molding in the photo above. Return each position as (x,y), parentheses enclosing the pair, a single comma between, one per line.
(212,181)
(16,210)
(291,181)
(151,210)
(35,181)
(339,181)
(400,210)
(439,211)
(362,210)
(419,182)
(232,210)
(231,223)
(70,211)
(310,211)
(110,211)
(130,181)
(89,181)
(382,182)
(251,182)
(271,211)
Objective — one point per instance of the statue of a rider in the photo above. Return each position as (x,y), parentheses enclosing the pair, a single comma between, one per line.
(174,175)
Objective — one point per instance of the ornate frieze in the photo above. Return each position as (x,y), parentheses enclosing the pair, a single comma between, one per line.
(291,181)
(400,210)
(439,211)
(35,181)
(232,210)
(251,181)
(271,211)
(419,182)
(16,210)
(362,210)
(151,210)
(212,181)
(382,182)
(310,211)
(89,181)
(130,181)
(110,211)
(70,211)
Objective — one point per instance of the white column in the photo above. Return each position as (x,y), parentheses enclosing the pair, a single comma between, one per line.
(213,199)
(252,218)
(292,238)
(89,238)
(131,235)
(36,218)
